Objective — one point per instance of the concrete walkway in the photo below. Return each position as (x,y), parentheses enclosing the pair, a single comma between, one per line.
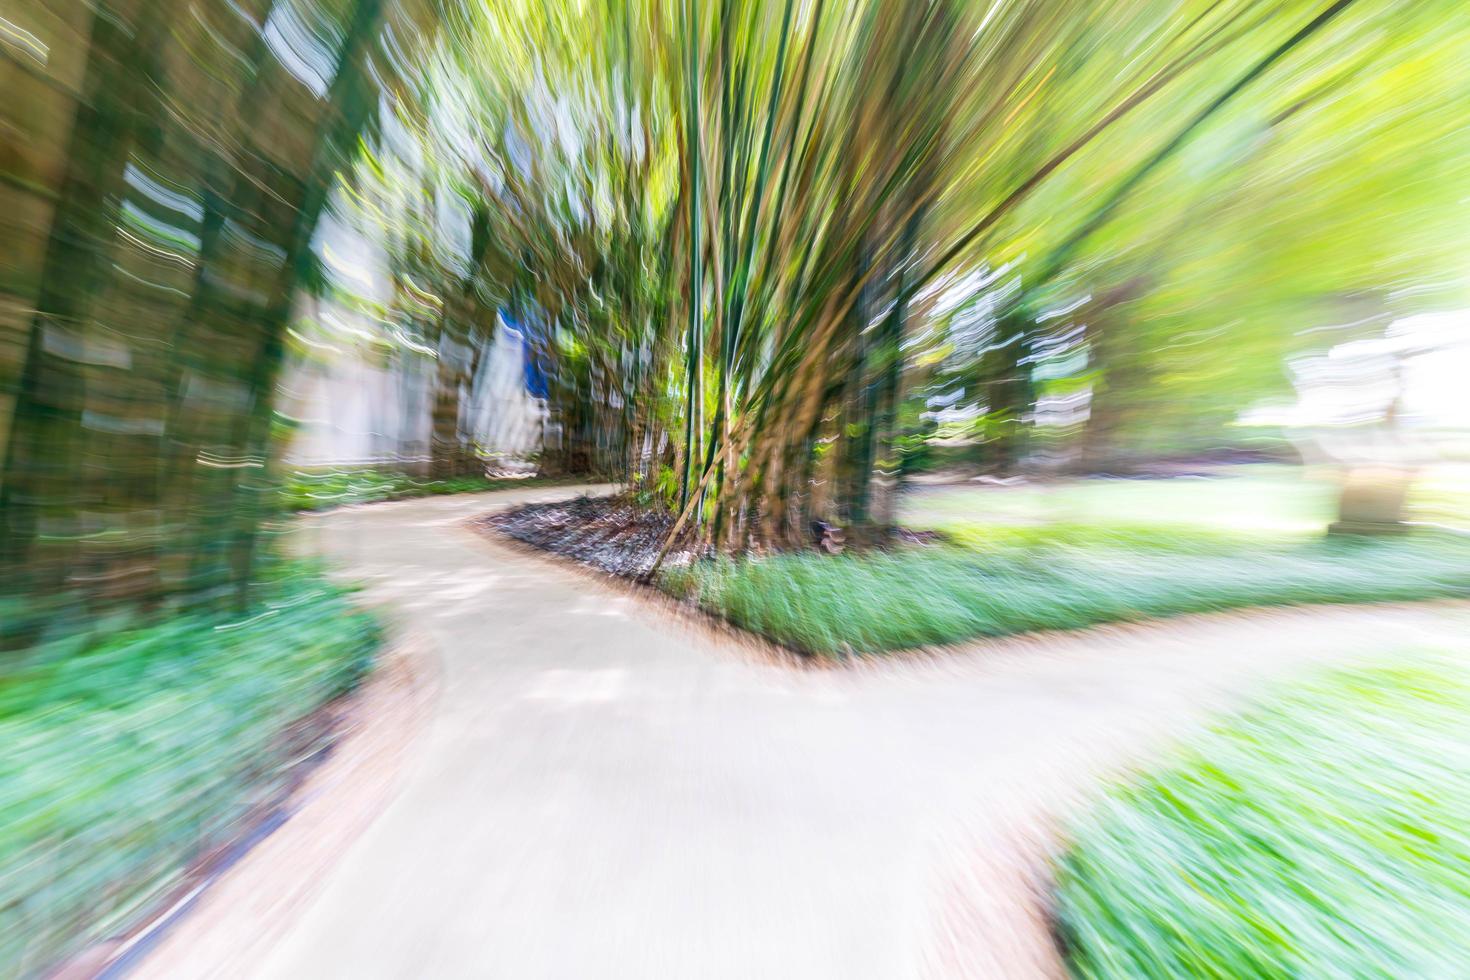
(605,790)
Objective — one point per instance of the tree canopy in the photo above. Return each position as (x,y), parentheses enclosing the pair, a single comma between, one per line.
(749,243)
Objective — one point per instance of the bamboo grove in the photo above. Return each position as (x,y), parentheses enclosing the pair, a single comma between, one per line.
(743,238)
(176,168)
(776,201)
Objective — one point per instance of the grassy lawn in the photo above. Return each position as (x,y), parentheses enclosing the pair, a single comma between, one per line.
(1322,835)
(1077,554)
(1257,500)
(325,489)
(133,747)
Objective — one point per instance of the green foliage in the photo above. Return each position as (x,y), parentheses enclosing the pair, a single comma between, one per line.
(304,490)
(1319,836)
(1075,554)
(1255,501)
(135,746)
(918,596)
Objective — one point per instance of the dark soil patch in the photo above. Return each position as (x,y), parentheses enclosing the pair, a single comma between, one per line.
(906,535)
(609,534)
(616,536)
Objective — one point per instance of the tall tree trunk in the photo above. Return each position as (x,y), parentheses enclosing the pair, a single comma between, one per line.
(350,103)
(694,402)
(41,495)
(884,471)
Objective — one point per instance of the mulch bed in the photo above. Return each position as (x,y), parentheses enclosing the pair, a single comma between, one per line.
(607,533)
(614,535)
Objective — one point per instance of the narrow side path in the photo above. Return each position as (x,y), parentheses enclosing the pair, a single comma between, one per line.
(607,791)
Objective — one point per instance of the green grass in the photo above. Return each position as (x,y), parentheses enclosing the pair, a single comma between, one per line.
(322,490)
(935,595)
(1023,559)
(132,747)
(1443,497)
(1254,499)
(1322,835)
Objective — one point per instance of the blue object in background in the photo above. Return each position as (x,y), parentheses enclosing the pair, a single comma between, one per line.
(535,374)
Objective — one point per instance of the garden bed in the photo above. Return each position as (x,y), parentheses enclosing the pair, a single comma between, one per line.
(1041,580)
(318,490)
(137,749)
(1321,834)
(962,577)
(606,533)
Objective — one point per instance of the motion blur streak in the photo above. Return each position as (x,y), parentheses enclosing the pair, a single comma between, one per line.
(878,324)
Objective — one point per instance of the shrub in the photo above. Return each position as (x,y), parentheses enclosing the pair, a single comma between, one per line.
(1322,835)
(133,747)
(307,490)
(1024,579)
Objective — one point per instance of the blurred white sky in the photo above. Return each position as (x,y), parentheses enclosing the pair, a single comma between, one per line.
(1424,358)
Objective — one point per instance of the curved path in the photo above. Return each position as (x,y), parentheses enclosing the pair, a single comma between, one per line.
(606,790)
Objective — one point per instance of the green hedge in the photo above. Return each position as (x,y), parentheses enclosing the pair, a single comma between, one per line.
(1054,578)
(310,490)
(1323,835)
(306,490)
(132,747)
